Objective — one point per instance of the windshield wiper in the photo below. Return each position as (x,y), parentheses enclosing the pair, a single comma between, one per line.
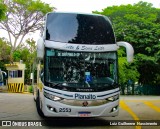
(52,84)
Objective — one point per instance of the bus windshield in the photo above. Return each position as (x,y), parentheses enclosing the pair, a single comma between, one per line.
(66,69)
(79,28)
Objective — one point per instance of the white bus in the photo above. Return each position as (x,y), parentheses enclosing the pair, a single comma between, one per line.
(2,76)
(77,66)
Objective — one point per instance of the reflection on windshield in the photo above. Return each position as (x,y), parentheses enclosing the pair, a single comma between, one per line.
(79,69)
(79,28)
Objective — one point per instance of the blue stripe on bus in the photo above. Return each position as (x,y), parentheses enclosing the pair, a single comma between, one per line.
(72,95)
(107,94)
(59,93)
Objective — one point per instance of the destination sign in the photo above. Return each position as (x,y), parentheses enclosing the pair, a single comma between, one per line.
(81,47)
(71,54)
(84,48)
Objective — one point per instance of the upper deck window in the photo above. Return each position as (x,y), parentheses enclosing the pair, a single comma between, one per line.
(79,28)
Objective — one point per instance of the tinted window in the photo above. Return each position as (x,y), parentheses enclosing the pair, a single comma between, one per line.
(79,28)
(15,73)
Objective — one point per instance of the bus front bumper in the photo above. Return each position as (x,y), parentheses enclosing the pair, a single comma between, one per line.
(56,109)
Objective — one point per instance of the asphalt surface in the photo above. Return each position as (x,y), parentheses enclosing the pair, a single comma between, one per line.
(133,109)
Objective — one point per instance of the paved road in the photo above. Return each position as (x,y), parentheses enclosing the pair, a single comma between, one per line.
(22,107)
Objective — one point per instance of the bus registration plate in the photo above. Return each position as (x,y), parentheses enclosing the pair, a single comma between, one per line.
(84,114)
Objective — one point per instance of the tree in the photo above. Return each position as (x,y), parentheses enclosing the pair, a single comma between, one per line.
(127,72)
(4,53)
(139,25)
(30,60)
(20,53)
(23,17)
(4,48)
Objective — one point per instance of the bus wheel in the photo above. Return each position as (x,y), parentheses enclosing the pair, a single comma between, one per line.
(40,113)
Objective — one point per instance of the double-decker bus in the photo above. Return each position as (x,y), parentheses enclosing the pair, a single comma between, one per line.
(77,66)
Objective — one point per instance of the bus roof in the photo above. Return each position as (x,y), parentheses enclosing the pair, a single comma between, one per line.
(77,13)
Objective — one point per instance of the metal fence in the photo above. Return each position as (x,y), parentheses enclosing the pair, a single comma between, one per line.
(142,90)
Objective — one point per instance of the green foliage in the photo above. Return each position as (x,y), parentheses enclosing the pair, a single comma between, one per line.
(4,53)
(4,50)
(26,53)
(149,69)
(127,71)
(3,10)
(17,55)
(139,25)
(30,89)
(31,6)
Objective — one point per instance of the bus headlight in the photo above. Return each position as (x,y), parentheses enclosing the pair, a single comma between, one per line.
(52,97)
(113,98)
(57,98)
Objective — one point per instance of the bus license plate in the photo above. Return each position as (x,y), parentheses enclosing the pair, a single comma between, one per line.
(84,114)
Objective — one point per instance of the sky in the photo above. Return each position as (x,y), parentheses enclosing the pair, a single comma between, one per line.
(88,6)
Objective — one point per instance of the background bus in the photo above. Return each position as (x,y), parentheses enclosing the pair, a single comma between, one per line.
(3,75)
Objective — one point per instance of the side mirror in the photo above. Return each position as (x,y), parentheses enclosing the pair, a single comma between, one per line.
(4,74)
(129,50)
(40,48)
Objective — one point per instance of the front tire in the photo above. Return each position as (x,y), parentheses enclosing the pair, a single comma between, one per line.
(40,113)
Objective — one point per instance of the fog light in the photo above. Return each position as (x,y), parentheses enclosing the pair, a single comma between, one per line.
(52,109)
(114,109)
